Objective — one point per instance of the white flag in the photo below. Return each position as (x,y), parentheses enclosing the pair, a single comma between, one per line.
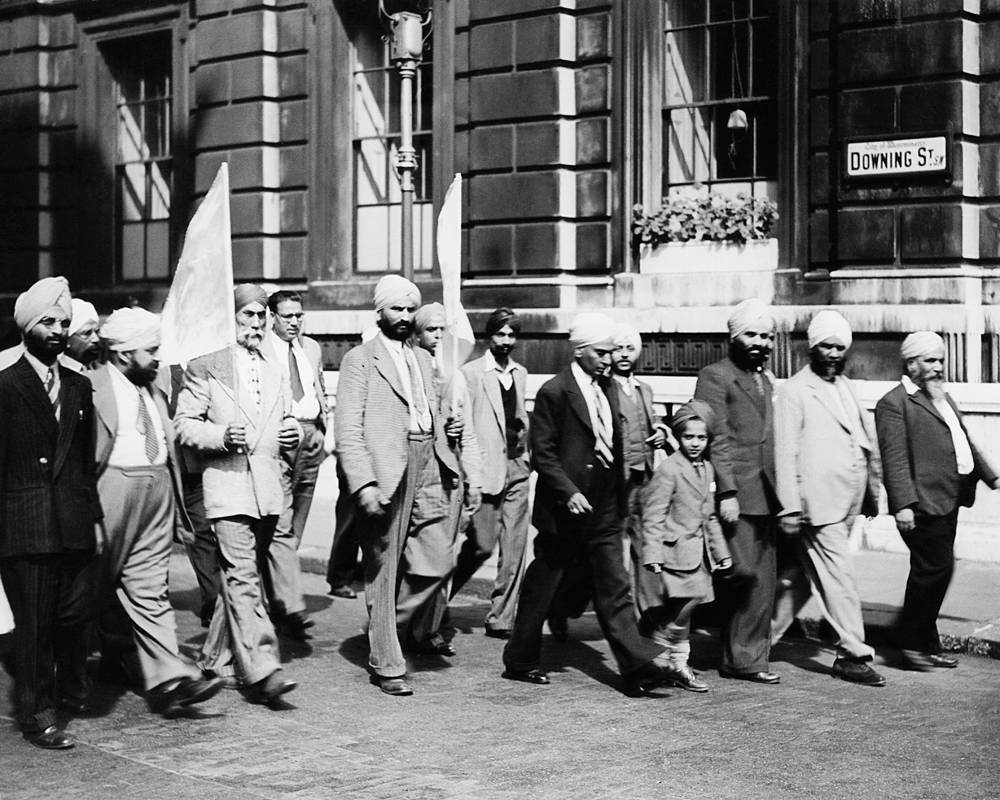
(458,339)
(198,316)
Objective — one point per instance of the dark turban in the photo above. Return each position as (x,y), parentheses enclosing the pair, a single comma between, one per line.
(501,317)
(247,293)
(692,409)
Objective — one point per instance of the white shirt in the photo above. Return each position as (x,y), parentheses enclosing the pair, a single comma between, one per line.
(43,373)
(628,383)
(587,387)
(963,451)
(504,374)
(130,441)
(308,407)
(248,373)
(418,423)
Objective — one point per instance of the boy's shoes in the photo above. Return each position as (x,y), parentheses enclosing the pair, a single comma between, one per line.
(684,678)
(856,672)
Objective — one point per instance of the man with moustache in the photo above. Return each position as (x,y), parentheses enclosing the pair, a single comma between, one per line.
(83,346)
(234,410)
(139,483)
(931,468)
(827,472)
(48,510)
(577,449)
(301,360)
(739,391)
(390,442)
(496,384)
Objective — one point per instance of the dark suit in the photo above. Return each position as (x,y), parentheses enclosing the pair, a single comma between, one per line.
(742,452)
(920,471)
(562,449)
(48,508)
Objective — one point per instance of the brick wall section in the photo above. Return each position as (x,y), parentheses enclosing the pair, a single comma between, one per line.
(249,95)
(889,67)
(37,128)
(533,112)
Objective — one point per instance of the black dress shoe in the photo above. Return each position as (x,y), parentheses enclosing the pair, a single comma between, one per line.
(270,689)
(186,692)
(943,661)
(296,624)
(769,678)
(74,705)
(644,682)
(346,592)
(535,676)
(435,647)
(51,739)
(856,672)
(497,633)
(397,687)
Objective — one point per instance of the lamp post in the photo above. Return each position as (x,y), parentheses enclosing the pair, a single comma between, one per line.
(406,48)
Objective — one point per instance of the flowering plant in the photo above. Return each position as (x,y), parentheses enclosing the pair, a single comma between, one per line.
(707,216)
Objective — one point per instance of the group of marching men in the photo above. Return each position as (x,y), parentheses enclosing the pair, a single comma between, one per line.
(100,469)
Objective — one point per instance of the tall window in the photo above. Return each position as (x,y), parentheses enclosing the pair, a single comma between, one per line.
(720,106)
(141,70)
(377,198)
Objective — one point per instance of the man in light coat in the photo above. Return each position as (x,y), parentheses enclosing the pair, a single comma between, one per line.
(827,470)
(235,412)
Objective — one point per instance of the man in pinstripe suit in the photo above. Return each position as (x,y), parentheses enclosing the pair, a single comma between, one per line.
(392,448)
(48,510)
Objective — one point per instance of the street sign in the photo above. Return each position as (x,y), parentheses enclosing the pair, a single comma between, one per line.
(897,157)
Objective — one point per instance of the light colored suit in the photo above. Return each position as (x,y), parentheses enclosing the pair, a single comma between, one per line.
(827,470)
(243,498)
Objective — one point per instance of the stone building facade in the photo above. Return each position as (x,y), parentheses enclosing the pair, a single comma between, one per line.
(560,115)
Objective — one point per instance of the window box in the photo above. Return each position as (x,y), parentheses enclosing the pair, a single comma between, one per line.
(756,255)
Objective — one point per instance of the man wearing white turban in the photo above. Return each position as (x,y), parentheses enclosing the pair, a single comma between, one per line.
(391,442)
(827,471)
(139,483)
(931,468)
(49,506)
(739,391)
(84,345)
(580,509)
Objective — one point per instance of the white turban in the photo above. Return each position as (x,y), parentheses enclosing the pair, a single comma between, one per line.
(827,325)
(747,314)
(43,295)
(131,329)
(83,312)
(922,343)
(392,289)
(627,334)
(590,328)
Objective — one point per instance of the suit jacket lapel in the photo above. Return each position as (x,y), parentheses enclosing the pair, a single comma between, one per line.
(749,387)
(823,396)
(31,386)
(689,474)
(925,402)
(69,417)
(387,368)
(492,385)
(577,401)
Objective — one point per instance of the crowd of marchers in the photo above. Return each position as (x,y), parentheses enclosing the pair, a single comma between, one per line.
(746,496)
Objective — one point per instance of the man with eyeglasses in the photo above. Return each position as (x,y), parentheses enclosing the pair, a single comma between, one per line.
(301,359)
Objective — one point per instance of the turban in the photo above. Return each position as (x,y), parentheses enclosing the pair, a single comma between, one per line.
(83,312)
(828,325)
(392,289)
(247,293)
(425,316)
(501,317)
(35,303)
(131,329)
(747,314)
(922,343)
(692,409)
(627,334)
(590,328)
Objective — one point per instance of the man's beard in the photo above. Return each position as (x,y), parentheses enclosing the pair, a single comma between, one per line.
(748,357)
(934,387)
(141,376)
(400,331)
(825,368)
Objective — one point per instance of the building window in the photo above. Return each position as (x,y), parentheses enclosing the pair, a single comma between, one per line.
(141,71)
(376,136)
(720,96)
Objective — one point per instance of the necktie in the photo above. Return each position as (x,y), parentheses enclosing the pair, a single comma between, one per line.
(145,424)
(416,389)
(52,390)
(293,375)
(758,380)
(604,436)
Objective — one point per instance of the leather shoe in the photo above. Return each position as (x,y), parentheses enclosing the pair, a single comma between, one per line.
(769,678)
(270,689)
(296,624)
(497,633)
(51,739)
(684,678)
(346,592)
(74,705)
(535,676)
(856,672)
(435,647)
(643,682)
(186,692)
(916,661)
(943,661)
(397,687)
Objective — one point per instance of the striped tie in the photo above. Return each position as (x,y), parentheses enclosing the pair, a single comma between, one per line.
(52,390)
(603,440)
(145,424)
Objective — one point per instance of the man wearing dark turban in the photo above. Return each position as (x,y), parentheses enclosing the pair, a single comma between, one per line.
(48,510)
(234,410)
(390,442)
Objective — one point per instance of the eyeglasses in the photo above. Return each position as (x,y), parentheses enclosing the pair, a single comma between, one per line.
(290,317)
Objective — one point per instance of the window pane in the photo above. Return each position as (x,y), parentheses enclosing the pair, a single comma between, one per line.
(424,99)
(130,143)
(133,255)
(159,190)
(425,167)
(158,250)
(685,12)
(765,58)
(721,10)
(730,59)
(686,79)
(688,144)
(373,238)
(369,100)
(423,230)
(132,185)
(372,167)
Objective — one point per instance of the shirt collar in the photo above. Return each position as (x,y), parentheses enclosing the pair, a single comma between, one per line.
(626,380)
(280,344)
(392,344)
(38,366)
(581,377)
(490,363)
(910,386)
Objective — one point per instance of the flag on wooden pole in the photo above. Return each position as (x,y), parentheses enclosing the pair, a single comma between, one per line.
(198,317)
(458,339)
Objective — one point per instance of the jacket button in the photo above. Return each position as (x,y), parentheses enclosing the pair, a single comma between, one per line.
(43,460)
